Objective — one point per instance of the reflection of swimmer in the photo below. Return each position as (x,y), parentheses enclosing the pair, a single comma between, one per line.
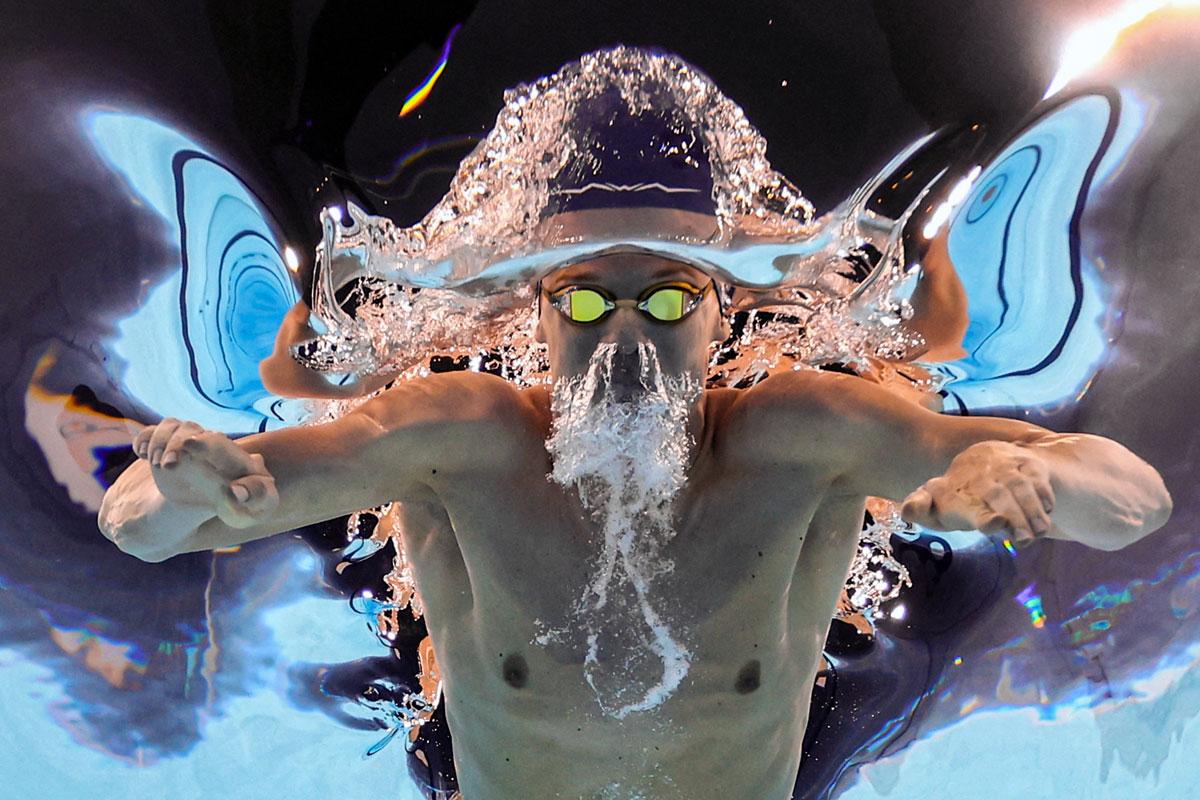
(650,620)
(781,470)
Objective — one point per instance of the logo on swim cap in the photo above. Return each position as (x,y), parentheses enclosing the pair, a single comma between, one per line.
(628,160)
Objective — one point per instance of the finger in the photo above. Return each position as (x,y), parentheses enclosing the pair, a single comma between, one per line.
(940,507)
(261,500)
(141,440)
(1025,495)
(985,519)
(1039,476)
(916,507)
(173,449)
(1045,493)
(219,491)
(194,474)
(958,511)
(261,495)
(953,509)
(160,437)
(222,454)
(295,326)
(1002,502)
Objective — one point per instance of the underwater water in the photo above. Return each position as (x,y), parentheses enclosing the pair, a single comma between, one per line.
(1016,240)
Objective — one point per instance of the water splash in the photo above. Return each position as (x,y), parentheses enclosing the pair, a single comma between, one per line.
(868,585)
(460,282)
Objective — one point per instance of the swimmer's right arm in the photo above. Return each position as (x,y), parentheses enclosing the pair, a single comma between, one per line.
(377,453)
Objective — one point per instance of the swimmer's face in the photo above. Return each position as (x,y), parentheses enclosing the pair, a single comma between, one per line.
(682,347)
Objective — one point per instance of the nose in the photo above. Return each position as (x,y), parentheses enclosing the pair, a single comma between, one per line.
(626,358)
(625,325)
(624,329)
(627,362)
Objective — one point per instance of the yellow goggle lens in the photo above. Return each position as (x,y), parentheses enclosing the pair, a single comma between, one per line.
(666,304)
(585,305)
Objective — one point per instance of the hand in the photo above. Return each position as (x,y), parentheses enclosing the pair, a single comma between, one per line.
(194,466)
(990,487)
(281,374)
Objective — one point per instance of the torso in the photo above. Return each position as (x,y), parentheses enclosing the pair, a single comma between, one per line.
(760,555)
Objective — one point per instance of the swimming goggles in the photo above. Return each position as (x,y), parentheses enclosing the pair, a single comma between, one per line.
(663,302)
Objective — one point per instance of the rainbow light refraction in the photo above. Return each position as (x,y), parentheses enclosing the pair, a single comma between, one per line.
(1032,601)
(421,92)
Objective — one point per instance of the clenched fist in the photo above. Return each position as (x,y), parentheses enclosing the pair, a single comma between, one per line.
(194,466)
(991,486)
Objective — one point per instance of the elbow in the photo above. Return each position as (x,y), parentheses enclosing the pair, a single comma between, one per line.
(129,541)
(1137,529)
(1161,513)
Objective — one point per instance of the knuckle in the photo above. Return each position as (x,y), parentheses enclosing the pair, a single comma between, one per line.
(1016,482)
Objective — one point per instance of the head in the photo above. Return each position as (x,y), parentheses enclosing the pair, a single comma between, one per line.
(624,406)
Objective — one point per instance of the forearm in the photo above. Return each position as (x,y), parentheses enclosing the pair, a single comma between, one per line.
(1105,496)
(135,515)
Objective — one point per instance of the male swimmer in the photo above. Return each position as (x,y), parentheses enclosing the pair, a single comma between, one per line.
(628,578)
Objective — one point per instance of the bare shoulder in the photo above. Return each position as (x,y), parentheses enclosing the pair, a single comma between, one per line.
(444,397)
(451,421)
(792,416)
(794,393)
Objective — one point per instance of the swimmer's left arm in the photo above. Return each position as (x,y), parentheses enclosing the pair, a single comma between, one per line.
(982,473)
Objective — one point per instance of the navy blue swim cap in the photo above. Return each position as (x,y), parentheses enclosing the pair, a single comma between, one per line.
(633,161)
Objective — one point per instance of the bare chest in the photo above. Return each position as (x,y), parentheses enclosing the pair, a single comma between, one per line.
(549,623)
(517,560)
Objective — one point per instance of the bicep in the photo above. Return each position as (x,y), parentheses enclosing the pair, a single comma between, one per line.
(897,445)
(383,450)
(320,471)
(868,439)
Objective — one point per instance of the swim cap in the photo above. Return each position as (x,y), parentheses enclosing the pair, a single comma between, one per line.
(627,160)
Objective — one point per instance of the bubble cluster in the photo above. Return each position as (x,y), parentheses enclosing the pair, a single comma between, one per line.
(626,455)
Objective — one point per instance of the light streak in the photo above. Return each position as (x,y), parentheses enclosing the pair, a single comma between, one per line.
(421,92)
(1087,46)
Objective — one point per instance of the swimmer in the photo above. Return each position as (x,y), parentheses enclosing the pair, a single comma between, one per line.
(628,576)
(767,510)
